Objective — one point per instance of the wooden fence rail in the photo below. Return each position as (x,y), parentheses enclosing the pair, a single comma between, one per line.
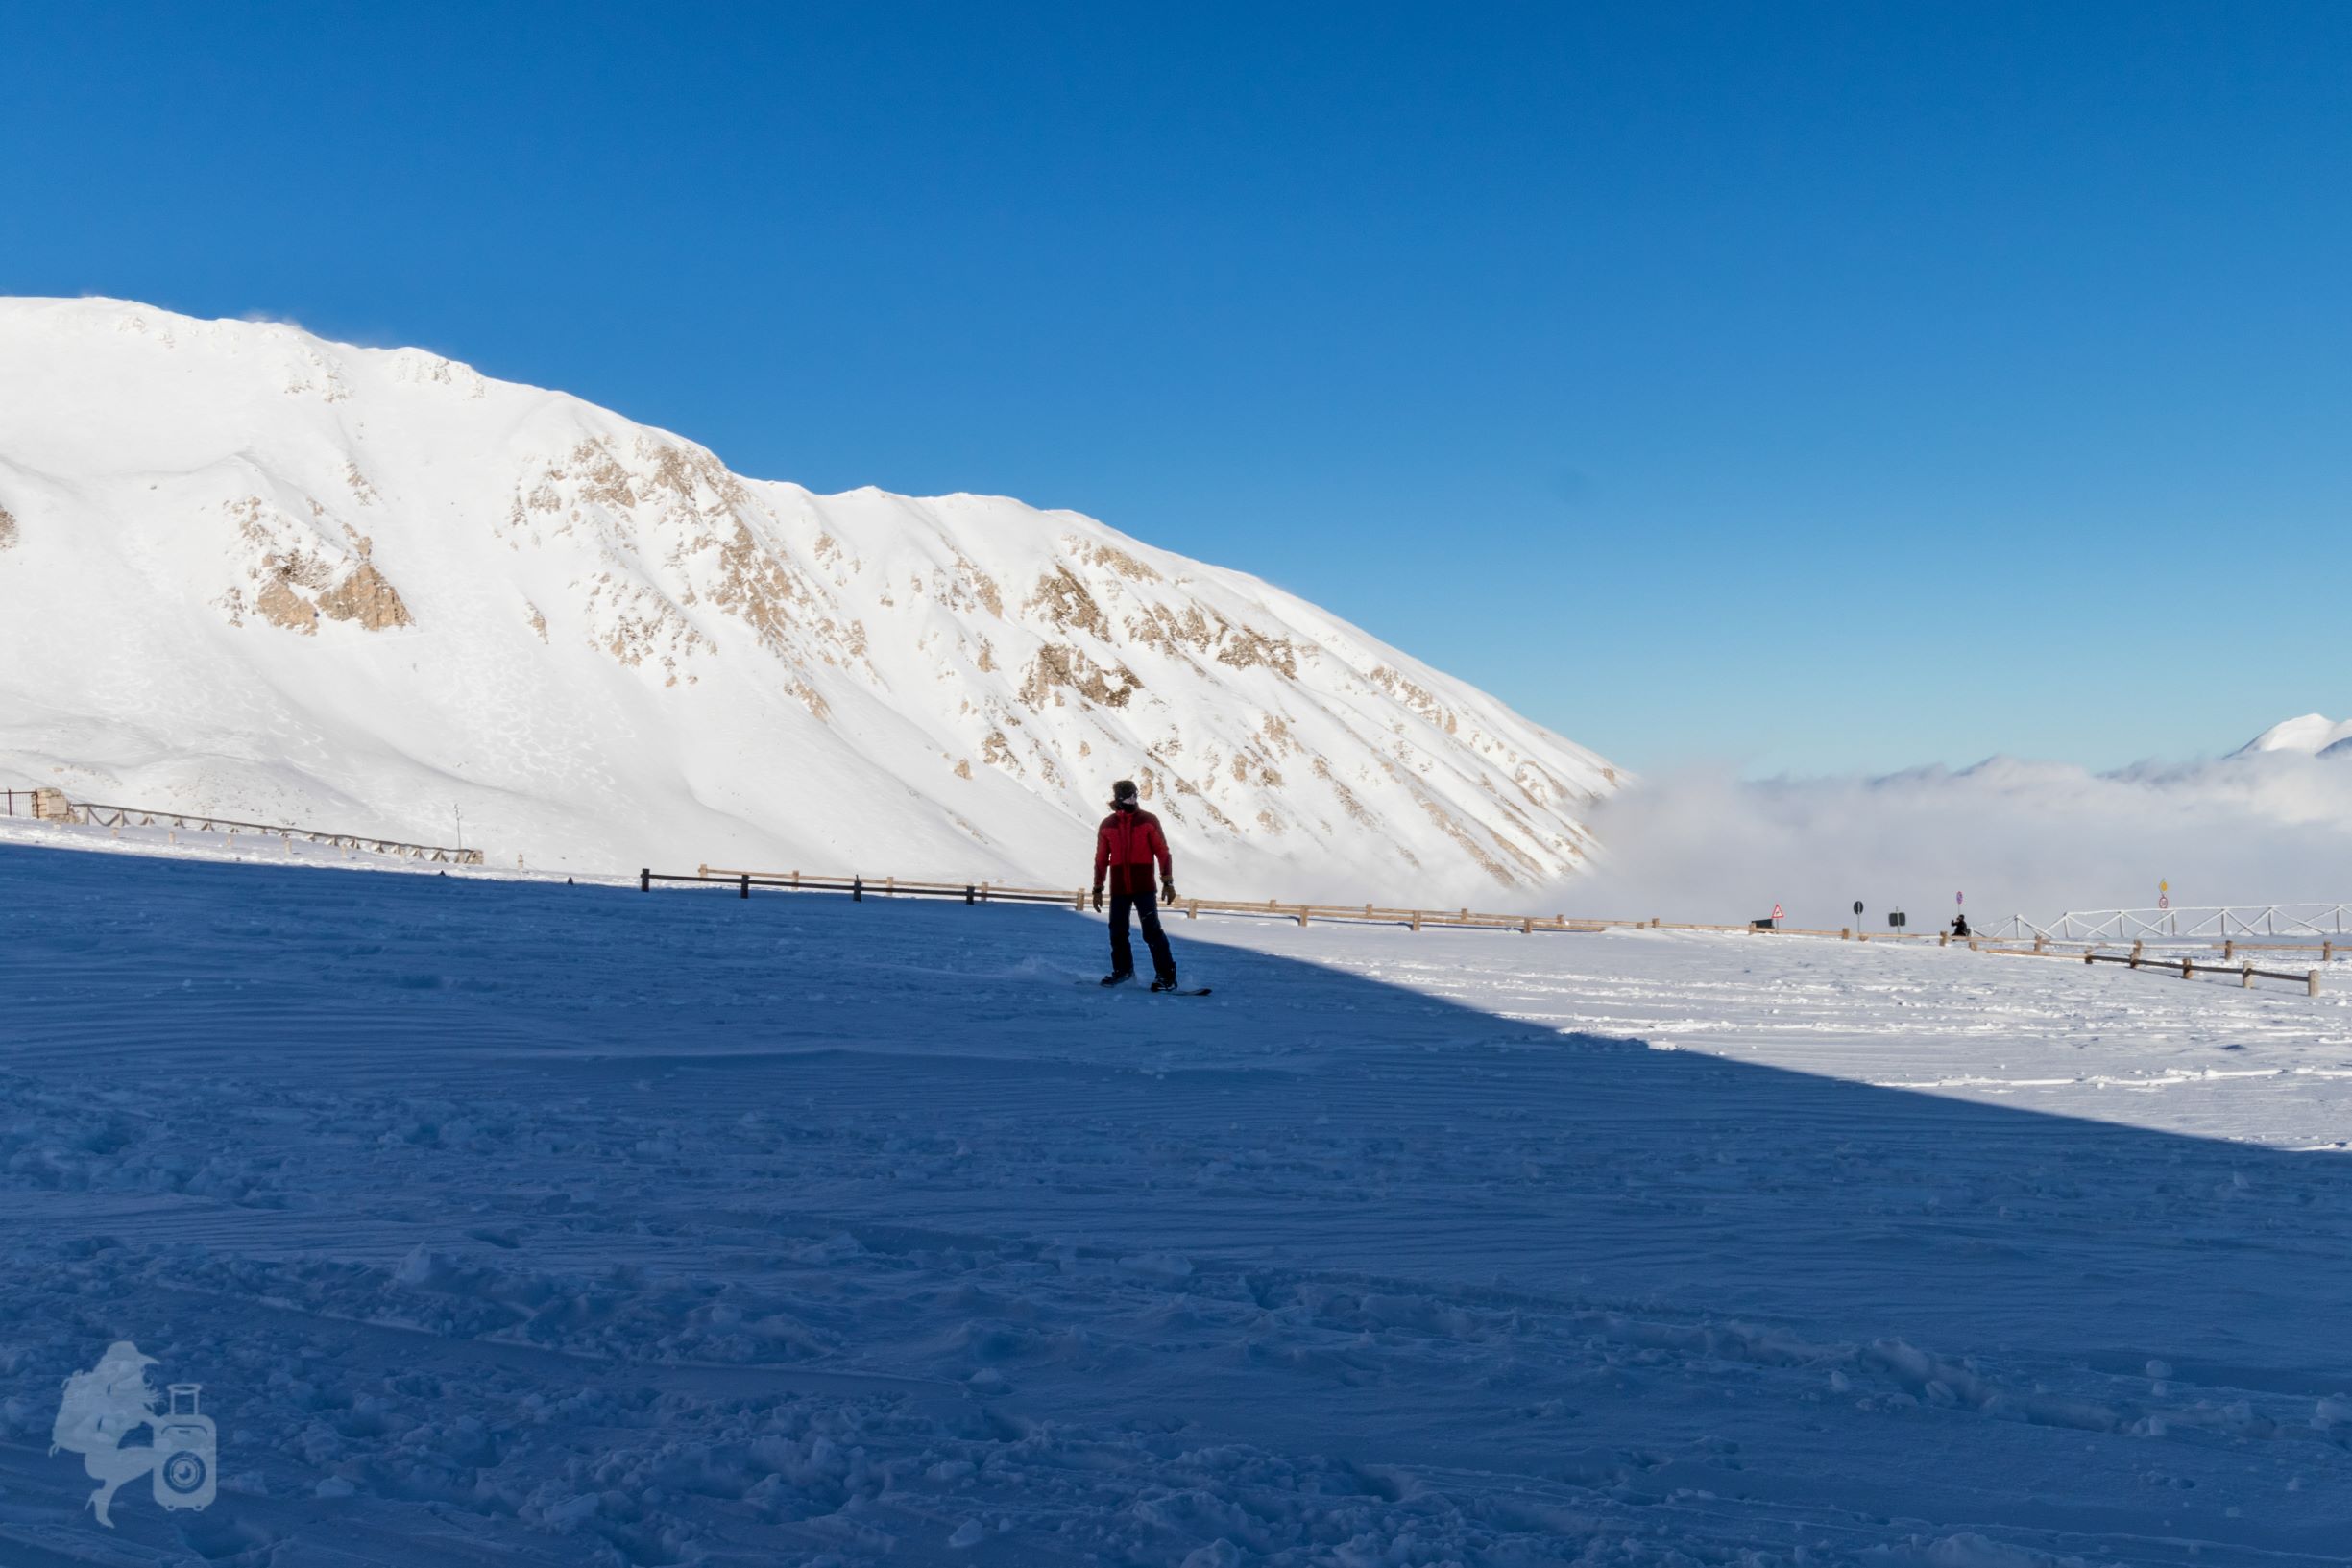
(1076,898)
(859,886)
(2164,963)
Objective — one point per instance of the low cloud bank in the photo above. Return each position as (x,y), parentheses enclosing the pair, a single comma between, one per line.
(2032,838)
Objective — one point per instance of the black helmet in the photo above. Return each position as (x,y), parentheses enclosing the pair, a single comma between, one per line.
(1123,793)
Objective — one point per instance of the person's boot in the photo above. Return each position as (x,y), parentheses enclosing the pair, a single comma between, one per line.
(1120,979)
(1165,982)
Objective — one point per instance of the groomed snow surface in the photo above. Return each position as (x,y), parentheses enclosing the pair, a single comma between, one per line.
(519,1223)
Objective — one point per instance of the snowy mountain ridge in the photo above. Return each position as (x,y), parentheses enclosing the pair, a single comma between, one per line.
(2314,734)
(244,570)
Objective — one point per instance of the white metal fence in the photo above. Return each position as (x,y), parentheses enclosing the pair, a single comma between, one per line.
(2206,923)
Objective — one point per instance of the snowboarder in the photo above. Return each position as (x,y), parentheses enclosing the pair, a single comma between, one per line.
(1959,927)
(1125,845)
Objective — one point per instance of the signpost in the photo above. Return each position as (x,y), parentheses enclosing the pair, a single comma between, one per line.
(1857,916)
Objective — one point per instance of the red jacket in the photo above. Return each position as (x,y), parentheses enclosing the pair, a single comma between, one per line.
(1128,841)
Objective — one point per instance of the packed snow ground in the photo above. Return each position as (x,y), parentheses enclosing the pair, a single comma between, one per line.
(530,1225)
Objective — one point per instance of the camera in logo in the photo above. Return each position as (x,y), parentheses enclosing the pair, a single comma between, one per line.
(185,1448)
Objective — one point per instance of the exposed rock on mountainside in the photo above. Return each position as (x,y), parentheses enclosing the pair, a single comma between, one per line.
(367,588)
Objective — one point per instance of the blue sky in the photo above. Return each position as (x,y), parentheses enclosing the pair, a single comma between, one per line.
(1802,386)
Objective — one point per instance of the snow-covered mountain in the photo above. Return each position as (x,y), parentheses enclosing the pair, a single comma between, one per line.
(246,570)
(2314,734)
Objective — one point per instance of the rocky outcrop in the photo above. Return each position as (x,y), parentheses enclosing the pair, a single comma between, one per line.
(367,596)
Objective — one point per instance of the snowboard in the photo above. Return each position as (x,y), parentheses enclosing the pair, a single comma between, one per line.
(1197,991)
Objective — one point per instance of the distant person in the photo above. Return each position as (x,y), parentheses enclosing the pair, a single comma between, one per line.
(1125,847)
(1959,927)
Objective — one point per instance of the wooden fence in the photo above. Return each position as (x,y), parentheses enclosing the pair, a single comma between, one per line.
(859,886)
(2171,962)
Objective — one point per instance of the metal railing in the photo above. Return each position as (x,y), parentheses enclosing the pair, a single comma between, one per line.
(2215,923)
(94,814)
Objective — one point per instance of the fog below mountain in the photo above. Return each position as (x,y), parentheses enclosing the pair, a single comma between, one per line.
(2027,837)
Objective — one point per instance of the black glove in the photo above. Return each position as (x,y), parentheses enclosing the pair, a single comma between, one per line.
(1167,892)
(1098,901)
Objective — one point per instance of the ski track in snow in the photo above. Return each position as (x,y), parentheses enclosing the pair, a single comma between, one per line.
(520,1224)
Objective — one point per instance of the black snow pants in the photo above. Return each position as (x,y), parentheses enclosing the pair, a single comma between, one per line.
(1144,902)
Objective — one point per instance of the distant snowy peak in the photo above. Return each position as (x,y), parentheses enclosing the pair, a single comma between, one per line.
(246,570)
(2314,734)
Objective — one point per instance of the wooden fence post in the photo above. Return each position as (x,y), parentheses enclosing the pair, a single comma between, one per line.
(856,887)
(1845,934)
(2229,950)
(1417,920)
(2312,980)
(2188,970)
(1302,914)
(747,892)
(2247,980)
(645,879)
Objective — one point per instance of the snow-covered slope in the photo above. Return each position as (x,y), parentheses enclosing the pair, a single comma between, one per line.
(246,570)
(565,1227)
(2314,734)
